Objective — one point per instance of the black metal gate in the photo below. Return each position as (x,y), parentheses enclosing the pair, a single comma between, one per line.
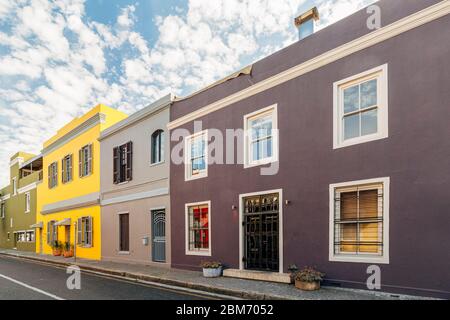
(159,236)
(261,232)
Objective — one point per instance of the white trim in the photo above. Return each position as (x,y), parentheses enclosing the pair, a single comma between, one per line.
(187,156)
(157,209)
(123,212)
(381,74)
(136,196)
(5,197)
(204,253)
(18,160)
(384,259)
(408,23)
(27,188)
(281,226)
(273,111)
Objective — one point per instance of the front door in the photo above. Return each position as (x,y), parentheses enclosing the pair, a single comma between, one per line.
(159,235)
(261,232)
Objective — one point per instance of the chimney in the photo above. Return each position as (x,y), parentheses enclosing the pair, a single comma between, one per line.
(305,23)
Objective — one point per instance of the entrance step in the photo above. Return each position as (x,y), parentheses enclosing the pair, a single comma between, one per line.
(258,275)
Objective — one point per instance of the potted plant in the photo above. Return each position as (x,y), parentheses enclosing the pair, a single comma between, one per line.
(308,279)
(211,269)
(67,250)
(57,248)
(293,269)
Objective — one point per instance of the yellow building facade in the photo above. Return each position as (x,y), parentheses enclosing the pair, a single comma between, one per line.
(68,206)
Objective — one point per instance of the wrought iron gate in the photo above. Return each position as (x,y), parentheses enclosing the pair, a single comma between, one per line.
(261,232)
(159,236)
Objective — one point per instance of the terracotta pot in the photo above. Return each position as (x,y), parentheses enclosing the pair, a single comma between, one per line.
(56,252)
(307,286)
(68,254)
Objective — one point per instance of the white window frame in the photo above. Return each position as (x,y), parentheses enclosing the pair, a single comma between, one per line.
(204,253)
(380,73)
(361,258)
(273,111)
(27,202)
(187,159)
(14,183)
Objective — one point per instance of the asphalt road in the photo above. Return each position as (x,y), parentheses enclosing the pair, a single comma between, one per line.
(24,280)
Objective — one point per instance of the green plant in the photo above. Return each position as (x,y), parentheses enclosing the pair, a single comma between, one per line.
(67,246)
(211,265)
(56,245)
(309,274)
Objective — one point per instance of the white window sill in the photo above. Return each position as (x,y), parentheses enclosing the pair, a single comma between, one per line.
(123,253)
(360,140)
(196,177)
(122,183)
(199,253)
(360,259)
(157,164)
(260,163)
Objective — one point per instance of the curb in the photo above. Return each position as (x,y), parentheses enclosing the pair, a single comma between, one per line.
(137,277)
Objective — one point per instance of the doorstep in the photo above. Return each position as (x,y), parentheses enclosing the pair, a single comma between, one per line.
(258,275)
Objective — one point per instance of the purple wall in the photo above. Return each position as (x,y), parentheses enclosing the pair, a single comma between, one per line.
(415,156)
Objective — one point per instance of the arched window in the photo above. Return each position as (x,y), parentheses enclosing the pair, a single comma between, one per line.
(158,146)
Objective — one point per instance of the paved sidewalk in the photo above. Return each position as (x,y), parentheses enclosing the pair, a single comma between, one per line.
(246,289)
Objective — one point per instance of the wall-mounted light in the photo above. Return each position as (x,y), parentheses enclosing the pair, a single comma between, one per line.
(233,207)
(287,202)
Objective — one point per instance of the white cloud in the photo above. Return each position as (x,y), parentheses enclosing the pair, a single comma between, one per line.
(56,63)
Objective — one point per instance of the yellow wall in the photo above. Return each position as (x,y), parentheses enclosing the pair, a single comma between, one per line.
(78,186)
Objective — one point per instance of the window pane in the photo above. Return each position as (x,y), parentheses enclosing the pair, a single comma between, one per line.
(369,122)
(351,99)
(351,127)
(368,204)
(198,164)
(349,206)
(261,127)
(348,237)
(369,234)
(369,94)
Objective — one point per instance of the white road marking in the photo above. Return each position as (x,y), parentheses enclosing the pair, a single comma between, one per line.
(31,288)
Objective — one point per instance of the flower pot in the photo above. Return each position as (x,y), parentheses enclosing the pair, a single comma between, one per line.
(68,254)
(212,273)
(56,252)
(307,286)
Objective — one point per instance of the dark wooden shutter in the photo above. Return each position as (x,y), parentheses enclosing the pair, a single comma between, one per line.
(50,176)
(129,168)
(48,232)
(80,163)
(63,170)
(90,159)
(79,231)
(124,233)
(90,232)
(116,165)
(70,167)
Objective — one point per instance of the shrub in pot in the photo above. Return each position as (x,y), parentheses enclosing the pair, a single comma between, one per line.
(67,250)
(212,269)
(57,248)
(308,279)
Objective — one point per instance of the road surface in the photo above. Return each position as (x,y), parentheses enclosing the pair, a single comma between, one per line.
(25,280)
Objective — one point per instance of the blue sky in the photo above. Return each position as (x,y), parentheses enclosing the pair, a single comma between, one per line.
(59,58)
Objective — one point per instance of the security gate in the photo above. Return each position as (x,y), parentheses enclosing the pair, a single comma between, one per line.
(261,232)
(159,236)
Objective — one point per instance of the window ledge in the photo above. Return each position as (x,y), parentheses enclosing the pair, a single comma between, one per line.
(196,177)
(199,253)
(260,163)
(123,253)
(157,164)
(359,259)
(360,140)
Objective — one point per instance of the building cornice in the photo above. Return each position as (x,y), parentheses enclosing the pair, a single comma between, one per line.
(27,188)
(401,26)
(148,111)
(80,129)
(18,160)
(136,196)
(91,199)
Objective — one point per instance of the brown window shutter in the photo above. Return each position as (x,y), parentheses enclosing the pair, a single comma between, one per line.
(48,233)
(49,176)
(129,168)
(90,159)
(80,163)
(79,232)
(63,171)
(116,165)
(90,232)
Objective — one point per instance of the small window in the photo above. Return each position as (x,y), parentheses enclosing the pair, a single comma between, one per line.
(84,233)
(123,163)
(14,182)
(27,202)
(196,157)
(67,169)
(361,104)
(158,147)
(124,232)
(52,232)
(2,210)
(198,233)
(85,161)
(261,137)
(53,175)
(359,219)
